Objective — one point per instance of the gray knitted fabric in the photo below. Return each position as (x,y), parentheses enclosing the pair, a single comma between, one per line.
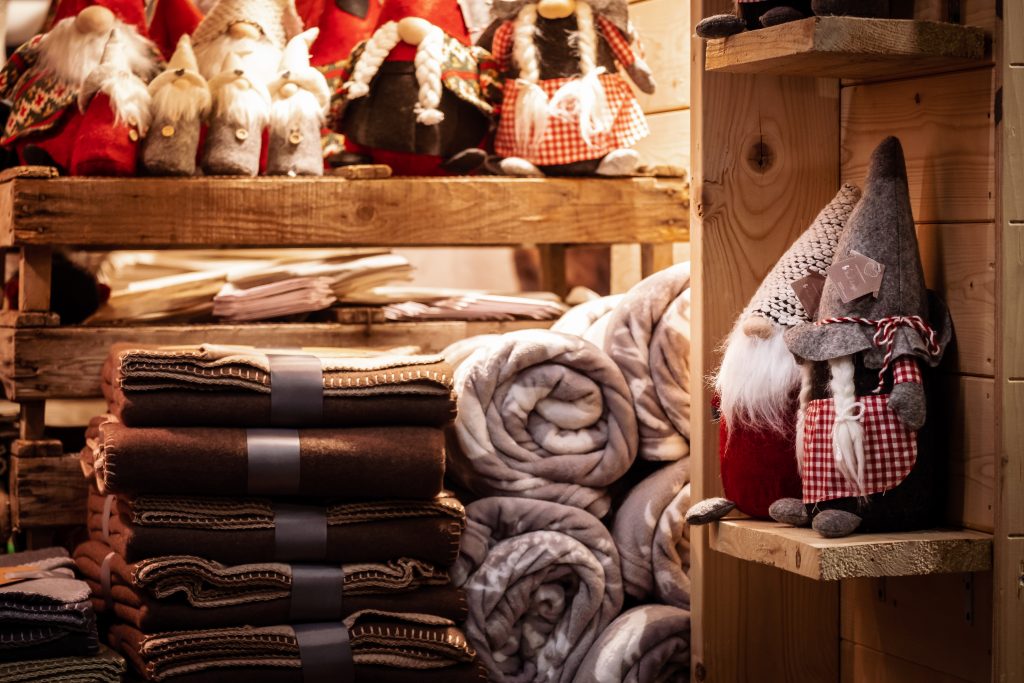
(296,151)
(170,148)
(813,252)
(231,149)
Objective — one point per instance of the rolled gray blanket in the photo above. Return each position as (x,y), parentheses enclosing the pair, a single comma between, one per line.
(652,536)
(589,319)
(648,337)
(648,644)
(542,580)
(543,415)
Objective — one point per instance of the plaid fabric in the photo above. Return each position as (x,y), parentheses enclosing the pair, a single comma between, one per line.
(38,98)
(890,450)
(562,142)
(504,39)
(906,369)
(501,45)
(616,41)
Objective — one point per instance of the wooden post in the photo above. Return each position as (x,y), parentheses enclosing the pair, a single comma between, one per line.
(655,257)
(626,267)
(765,161)
(552,268)
(34,279)
(33,420)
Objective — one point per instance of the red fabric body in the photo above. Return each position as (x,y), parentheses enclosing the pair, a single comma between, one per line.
(57,141)
(401,163)
(103,147)
(171,20)
(339,33)
(758,467)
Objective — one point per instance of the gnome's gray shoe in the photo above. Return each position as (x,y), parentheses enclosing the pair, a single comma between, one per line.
(720,26)
(517,166)
(619,162)
(710,510)
(780,15)
(835,523)
(790,511)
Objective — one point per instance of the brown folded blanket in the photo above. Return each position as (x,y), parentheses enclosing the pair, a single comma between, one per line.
(239,531)
(385,648)
(181,592)
(105,667)
(356,463)
(232,386)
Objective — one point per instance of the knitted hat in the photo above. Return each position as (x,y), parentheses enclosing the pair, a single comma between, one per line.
(343,24)
(278,20)
(813,252)
(616,11)
(880,228)
(171,20)
(131,12)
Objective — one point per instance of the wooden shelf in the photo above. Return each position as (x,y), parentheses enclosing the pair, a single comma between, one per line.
(804,552)
(65,362)
(848,47)
(308,212)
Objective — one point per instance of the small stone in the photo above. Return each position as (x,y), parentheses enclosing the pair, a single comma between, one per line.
(167,131)
(835,523)
(790,511)
(710,510)
(241,134)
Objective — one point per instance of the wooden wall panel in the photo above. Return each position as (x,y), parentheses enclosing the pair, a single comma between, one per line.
(972,446)
(945,124)
(939,621)
(862,663)
(669,141)
(664,27)
(972,12)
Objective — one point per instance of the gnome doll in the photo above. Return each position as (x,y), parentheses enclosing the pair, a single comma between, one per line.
(297,112)
(869,455)
(241,109)
(754,14)
(180,103)
(115,106)
(343,24)
(254,30)
(43,78)
(759,380)
(416,93)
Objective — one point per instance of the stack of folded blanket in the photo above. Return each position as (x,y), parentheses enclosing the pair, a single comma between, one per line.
(47,624)
(276,515)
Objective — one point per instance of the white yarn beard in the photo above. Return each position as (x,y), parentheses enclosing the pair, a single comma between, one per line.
(291,112)
(756,380)
(246,108)
(73,55)
(176,104)
(129,96)
(261,61)
(806,380)
(848,430)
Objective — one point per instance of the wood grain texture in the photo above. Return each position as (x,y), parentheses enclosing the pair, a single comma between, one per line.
(625,266)
(972,448)
(1008,660)
(945,125)
(960,265)
(669,141)
(48,491)
(65,362)
(942,622)
(861,663)
(765,160)
(804,552)
(211,212)
(664,27)
(34,270)
(849,47)
(971,12)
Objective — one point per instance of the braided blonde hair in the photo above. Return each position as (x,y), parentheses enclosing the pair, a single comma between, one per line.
(848,431)
(429,56)
(531,114)
(583,99)
(806,379)
(377,48)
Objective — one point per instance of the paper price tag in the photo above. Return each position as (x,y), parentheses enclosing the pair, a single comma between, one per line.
(808,290)
(856,276)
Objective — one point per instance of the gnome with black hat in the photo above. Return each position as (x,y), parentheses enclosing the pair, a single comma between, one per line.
(868,454)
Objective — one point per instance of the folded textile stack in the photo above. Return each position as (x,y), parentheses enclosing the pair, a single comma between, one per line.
(265,515)
(48,628)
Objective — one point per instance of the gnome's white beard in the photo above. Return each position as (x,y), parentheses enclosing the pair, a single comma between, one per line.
(260,58)
(129,97)
(291,112)
(73,55)
(242,107)
(180,104)
(757,379)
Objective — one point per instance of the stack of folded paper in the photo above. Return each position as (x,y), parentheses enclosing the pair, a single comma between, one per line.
(259,515)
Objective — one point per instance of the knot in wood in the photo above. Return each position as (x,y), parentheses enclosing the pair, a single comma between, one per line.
(761,157)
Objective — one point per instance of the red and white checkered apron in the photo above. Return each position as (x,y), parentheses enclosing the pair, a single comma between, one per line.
(562,142)
(890,449)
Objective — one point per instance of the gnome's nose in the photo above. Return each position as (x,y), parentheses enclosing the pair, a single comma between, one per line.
(289,89)
(413,30)
(94,19)
(243,29)
(556,9)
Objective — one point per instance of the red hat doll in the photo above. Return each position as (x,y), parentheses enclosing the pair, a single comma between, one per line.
(171,20)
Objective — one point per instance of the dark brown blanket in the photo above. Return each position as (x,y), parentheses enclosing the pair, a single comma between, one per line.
(374,463)
(239,531)
(181,592)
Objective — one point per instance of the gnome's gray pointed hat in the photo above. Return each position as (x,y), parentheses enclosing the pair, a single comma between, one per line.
(881,228)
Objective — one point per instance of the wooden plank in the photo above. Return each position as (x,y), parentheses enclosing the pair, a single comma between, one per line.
(28,319)
(862,664)
(655,257)
(945,125)
(65,362)
(942,622)
(980,13)
(849,47)
(626,268)
(664,27)
(804,552)
(552,269)
(9,174)
(972,447)
(281,212)
(1008,660)
(669,141)
(47,491)
(960,265)
(35,267)
(765,160)
(32,421)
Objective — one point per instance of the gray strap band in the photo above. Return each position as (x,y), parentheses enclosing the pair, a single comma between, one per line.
(296,390)
(316,593)
(326,653)
(273,457)
(300,533)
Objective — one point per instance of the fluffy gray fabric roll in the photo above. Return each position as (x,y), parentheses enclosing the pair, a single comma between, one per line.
(648,644)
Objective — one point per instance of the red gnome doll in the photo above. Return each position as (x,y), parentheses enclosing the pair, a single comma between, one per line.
(566,110)
(171,20)
(415,98)
(45,75)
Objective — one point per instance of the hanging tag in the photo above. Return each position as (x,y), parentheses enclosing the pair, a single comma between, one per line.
(808,289)
(856,276)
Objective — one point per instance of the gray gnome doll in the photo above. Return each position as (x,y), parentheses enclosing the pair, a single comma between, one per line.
(870,457)
(241,110)
(300,97)
(180,102)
